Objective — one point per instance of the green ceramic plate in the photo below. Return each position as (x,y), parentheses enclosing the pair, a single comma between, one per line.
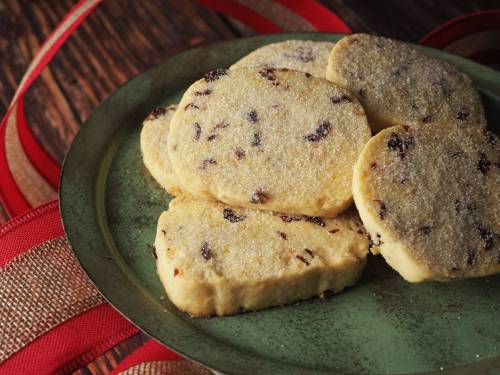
(110,206)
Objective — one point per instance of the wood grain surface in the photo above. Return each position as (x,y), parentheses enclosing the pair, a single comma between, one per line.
(122,38)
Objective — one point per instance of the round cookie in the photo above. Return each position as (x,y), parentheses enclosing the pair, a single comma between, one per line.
(154,136)
(214,259)
(399,84)
(269,139)
(430,198)
(302,55)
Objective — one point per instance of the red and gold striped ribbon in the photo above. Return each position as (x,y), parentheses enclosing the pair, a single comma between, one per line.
(39,290)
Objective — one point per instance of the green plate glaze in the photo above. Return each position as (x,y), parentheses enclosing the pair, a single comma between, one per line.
(110,206)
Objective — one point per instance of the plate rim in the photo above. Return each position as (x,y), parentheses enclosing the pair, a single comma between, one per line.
(67,211)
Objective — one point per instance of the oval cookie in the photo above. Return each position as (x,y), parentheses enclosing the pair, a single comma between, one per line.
(302,55)
(154,136)
(269,139)
(214,259)
(430,196)
(399,84)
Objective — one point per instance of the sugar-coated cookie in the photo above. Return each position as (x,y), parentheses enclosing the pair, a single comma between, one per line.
(215,259)
(399,84)
(430,197)
(302,55)
(154,136)
(269,139)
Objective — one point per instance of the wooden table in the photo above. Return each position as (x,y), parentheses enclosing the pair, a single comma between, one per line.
(123,38)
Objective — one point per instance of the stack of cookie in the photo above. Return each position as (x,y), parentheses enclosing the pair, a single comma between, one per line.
(265,157)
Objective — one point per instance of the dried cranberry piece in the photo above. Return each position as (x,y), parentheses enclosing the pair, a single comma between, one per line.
(315,220)
(205,163)
(394,142)
(408,141)
(340,99)
(203,92)
(206,253)
(456,154)
(490,138)
(425,229)
(282,235)
(302,259)
(483,165)
(214,133)
(382,209)
(486,235)
(197,131)
(259,197)
(221,125)
(427,119)
(252,116)
(471,256)
(232,216)
(191,105)
(321,132)
(176,272)
(215,74)
(289,219)
(269,74)
(256,141)
(463,114)
(240,153)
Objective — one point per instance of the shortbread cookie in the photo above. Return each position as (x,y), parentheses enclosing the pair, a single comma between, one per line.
(215,259)
(302,55)
(154,135)
(399,84)
(270,139)
(430,196)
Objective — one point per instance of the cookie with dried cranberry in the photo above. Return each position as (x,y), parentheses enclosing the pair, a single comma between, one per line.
(269,139)
(154,136)
(302,55)
(399,84)
(215,259)
(430,196)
